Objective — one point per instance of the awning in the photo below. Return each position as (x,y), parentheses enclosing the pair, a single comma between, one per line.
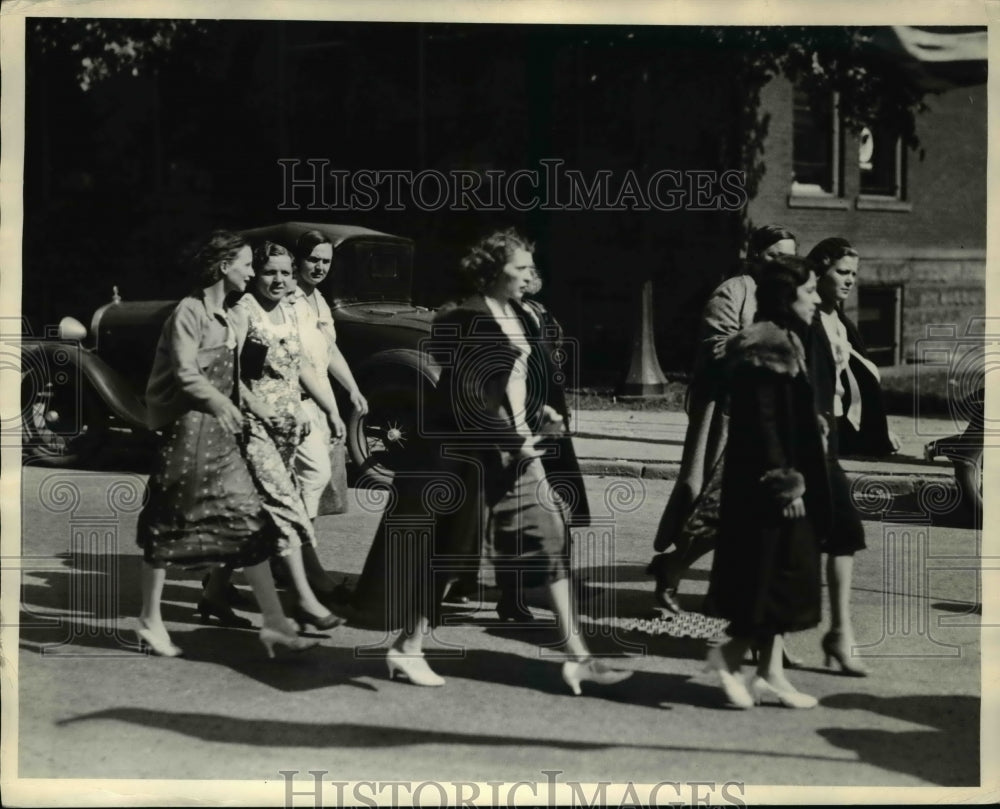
(938,58)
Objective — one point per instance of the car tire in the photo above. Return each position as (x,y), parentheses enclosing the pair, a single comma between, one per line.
(376,441)
(61,426)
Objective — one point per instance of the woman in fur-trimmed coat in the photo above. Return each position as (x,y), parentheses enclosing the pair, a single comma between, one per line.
(775,492)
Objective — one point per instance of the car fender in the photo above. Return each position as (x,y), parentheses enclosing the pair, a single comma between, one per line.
(395,364)
(110,386)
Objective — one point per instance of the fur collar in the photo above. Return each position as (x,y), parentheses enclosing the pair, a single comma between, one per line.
(767,345)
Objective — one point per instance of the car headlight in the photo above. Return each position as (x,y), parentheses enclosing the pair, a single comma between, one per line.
(71,329)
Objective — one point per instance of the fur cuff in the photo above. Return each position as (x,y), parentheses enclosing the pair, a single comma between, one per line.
(783,485)
(766,345)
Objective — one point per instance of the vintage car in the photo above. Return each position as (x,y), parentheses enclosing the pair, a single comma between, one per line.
(80,384)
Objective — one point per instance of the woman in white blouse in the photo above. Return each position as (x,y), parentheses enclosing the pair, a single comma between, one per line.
(478,455)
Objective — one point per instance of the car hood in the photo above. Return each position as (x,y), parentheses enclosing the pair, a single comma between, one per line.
(392,313)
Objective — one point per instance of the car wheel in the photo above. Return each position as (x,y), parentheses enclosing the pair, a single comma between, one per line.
(61,425)
(377,441)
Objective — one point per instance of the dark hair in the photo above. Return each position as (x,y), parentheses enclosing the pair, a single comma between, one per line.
(829,251)
(778,282)
(263,251)
(486,259)
(207,255)
(764,236)
(309,240)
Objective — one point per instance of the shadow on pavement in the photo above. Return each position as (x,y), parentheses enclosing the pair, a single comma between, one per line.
(947,753)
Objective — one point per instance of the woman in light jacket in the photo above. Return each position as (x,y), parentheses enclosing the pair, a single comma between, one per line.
(692,530)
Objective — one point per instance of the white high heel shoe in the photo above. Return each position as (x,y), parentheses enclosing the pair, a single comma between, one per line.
(735,689)
(575,672)
(270,638)
(159,643)
(789,698)
(413,667)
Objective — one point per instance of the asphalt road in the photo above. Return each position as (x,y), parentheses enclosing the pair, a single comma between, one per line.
(92,707)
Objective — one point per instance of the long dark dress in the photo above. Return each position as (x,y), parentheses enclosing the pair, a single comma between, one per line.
(766,573)
(463,467)
(202,508)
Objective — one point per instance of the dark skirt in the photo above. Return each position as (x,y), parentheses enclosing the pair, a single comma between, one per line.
(202,507)
(846,534)
(766,581)
(432,533)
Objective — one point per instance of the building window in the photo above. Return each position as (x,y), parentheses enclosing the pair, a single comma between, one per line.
(816,147)
(880,322)
(880,162)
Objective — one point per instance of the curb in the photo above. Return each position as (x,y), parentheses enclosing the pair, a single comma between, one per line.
(871,484)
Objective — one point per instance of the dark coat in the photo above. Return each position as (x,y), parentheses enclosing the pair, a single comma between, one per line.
(873,436)
(561,465)
(766,573)
(463,461)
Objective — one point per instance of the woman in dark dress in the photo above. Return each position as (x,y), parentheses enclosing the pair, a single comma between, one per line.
(478,455)
(202,510)
(775,500)
(849,397)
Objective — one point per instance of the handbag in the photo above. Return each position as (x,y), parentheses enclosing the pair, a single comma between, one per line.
(252,359)
(333,500)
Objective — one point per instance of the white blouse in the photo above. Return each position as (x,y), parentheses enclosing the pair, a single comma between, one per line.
(517,386)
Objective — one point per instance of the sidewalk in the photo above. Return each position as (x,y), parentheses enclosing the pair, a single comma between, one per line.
(649,445)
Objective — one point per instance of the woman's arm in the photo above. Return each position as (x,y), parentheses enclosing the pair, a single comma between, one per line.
(341,371)
(321,393)
(781,483)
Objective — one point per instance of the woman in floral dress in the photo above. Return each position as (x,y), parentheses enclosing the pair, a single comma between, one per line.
(271,373)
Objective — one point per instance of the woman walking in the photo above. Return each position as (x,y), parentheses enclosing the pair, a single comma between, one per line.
(313,255)
(202,509)
(848,397)
(690,519)
(271,373)
(775,501)
(490,406)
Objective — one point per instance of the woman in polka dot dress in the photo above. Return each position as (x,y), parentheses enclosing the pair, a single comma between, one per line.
(202,510)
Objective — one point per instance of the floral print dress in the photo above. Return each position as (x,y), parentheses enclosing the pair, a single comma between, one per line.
(270,450)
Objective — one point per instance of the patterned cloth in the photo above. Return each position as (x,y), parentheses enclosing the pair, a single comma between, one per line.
(270,451)
(202,507)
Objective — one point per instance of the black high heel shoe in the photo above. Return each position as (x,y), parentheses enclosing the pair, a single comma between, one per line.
(328,621)
(834,646)
(223,613)
(232,595)
(667,577)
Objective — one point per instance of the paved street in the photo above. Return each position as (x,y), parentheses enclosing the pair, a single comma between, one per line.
(91,707)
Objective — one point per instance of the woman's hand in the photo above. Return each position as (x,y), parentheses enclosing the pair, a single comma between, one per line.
(529,448)
(552,422)
(359,403)
(794,510)
(894,441)
(228,414)
(265,413)
(337,423)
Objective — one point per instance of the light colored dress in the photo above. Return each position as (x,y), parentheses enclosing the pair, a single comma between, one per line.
(313,464)
(270,450)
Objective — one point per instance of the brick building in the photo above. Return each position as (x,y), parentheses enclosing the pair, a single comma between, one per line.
(918,220)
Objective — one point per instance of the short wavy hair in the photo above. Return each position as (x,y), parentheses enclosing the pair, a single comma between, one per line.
(829,251)
(265,250)
(207,255)
(486,259)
